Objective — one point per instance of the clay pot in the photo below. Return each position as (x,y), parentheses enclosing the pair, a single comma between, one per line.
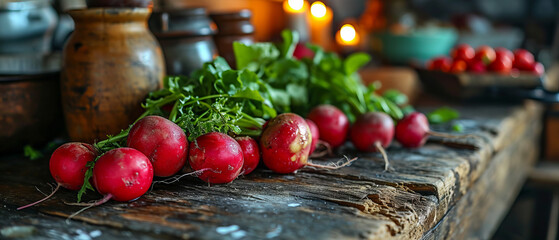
(30,111)
(110,64)
(232,27)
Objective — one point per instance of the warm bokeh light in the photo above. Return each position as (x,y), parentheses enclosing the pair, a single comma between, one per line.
(296,5)
(347,33)
(318,9)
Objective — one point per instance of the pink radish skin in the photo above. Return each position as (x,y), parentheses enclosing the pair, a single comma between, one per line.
(413,130)
(162,141)
(220,154)
(68,164)
(332,124)
(122,174)
(371,128)
(371,132)
(251,154)
(315,134)
(285,143)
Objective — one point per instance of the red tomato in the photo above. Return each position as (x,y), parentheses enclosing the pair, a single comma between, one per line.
(501,52)
(458,66)
(538,69)
(485,54)
(463,52)
(439,64)
(523,59)
(476,66)
(501,65)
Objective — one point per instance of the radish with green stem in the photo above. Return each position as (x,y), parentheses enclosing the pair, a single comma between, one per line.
(332,124)
(285,144)
(162,141)
(251,154)
(122,174)
(413,130)
(371,132)
(68,164)
(220,154)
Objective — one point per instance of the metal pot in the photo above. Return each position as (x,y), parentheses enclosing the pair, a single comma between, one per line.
(233,27)
(185,35)
(27,26)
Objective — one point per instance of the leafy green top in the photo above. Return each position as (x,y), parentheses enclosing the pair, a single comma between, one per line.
(299,85)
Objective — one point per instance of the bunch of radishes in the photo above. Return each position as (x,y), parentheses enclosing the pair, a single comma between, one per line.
(155,146)
(486,59)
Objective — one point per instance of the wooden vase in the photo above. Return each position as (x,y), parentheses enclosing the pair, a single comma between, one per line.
(110,64)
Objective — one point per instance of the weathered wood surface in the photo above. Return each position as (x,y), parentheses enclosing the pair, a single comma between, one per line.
(447,189)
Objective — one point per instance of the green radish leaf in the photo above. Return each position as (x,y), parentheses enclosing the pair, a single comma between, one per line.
(290,40)
(408,109)
(31,153)
(356,61)
(457,127)
(396,96)
(86,184)
(442,115)
(254,53)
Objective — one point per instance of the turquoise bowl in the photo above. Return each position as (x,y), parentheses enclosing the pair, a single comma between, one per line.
(417,46)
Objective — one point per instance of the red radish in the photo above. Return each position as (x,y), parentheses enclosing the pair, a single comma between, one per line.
(458,66)
(302,51)
(315,134)
(162,141)
(440,64)
(251,154)
(501,52)
(218,153)
(371,132)
(285,143)
(463,52)
(477,66)
(122,174)
(485,54)
(68,166)
(501,65)
(413,130)
(537,69)
(523,59)
(332,124)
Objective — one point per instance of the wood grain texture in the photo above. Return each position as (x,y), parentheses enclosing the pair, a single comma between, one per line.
(447,188)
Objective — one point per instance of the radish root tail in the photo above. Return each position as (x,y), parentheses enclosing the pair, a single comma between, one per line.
(325,149)
(88,206)
(384,156)
(177,178)
(333,166)
(45,198)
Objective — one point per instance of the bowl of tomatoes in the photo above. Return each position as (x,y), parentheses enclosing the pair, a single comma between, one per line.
(469,73)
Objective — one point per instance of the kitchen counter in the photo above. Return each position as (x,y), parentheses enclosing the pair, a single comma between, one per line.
(448,189)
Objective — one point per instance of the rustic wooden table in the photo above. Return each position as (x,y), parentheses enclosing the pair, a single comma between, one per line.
(447,189)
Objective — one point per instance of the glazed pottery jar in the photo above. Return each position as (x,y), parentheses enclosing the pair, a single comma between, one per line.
(110,64)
